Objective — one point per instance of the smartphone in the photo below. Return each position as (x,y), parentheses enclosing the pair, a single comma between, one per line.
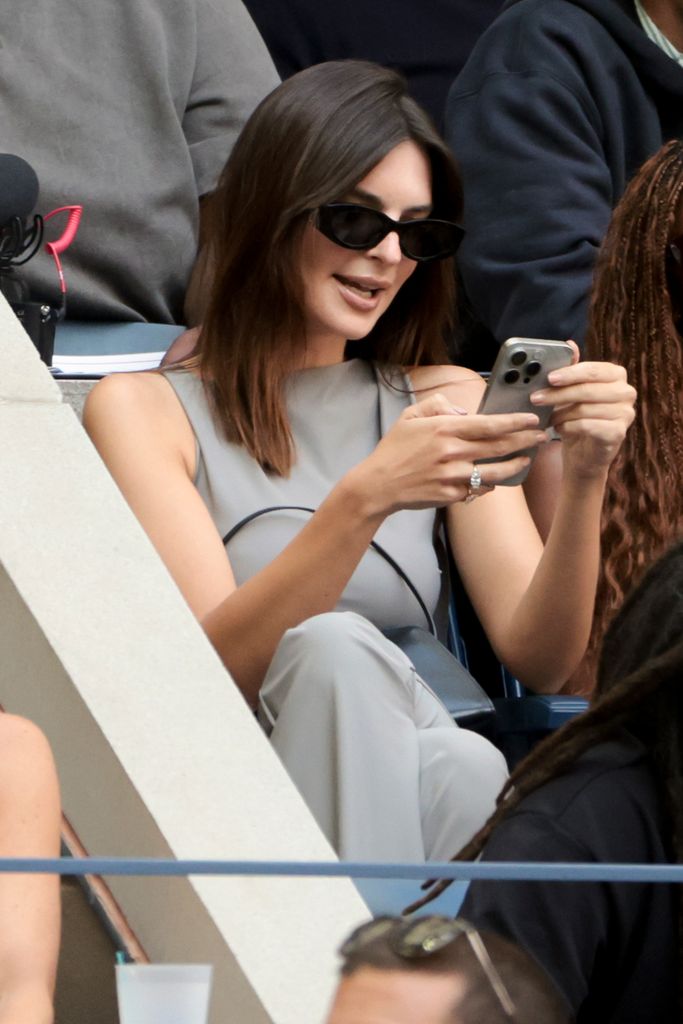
(522,367)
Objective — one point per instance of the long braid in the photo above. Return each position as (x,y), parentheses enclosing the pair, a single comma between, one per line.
(640,688)
(633,322)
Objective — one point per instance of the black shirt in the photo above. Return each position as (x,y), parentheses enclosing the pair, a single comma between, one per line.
(427,40)
(610,947)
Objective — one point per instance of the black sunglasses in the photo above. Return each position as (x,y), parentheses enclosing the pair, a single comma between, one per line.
(360,227)
(419,938)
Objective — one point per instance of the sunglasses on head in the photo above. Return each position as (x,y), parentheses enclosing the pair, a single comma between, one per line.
(360,227)
(422,937)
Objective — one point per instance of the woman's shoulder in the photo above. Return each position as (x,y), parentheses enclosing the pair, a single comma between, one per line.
(461,386)
(140,404)
(146,393)
(128,387)
(610,782)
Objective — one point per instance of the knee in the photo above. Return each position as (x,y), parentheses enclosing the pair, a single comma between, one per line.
(337,633)
(21,737)
(333,653)
(473,760)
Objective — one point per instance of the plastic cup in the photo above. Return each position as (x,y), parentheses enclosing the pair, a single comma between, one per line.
(163,993)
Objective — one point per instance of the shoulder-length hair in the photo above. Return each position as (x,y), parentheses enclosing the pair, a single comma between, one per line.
(309,143)
(635,319)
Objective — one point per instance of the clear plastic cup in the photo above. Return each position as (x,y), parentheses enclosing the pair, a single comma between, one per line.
(163,993)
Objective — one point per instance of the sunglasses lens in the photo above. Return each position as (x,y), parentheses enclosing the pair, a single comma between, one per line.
(430,240)
(426,936)
(358,227)
(353,226)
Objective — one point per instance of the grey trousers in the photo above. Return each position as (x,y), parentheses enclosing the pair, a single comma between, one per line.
(384,769)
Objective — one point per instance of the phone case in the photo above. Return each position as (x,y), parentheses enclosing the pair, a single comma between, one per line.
(522,367)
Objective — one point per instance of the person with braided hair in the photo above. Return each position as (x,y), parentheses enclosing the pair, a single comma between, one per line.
(636,319)
(606,788)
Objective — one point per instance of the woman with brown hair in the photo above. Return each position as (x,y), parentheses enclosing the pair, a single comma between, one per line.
(289,474)
(636,319)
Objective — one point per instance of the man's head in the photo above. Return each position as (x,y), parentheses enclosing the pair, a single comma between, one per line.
(437,970)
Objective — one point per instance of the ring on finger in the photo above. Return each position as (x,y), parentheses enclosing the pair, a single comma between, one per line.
(475,486)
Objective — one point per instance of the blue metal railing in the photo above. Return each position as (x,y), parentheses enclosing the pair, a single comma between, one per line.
(490,870)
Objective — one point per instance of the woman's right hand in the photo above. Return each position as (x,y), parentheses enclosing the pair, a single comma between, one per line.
(427,458)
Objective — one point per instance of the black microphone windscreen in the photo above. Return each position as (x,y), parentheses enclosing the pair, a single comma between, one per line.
(18,187)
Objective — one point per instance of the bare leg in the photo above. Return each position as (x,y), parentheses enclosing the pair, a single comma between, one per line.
(29,904)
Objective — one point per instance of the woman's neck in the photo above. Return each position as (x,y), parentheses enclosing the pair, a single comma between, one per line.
(323,352)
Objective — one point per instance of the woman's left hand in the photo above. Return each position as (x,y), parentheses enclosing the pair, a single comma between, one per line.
(593,405)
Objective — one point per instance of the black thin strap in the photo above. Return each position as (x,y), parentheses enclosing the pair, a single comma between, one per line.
(373,544)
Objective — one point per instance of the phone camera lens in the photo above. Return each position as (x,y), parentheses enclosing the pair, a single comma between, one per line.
(533,368)
(511,376)
(518,357)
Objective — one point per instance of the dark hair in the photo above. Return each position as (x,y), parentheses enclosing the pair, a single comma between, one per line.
(308,143)
(534,996)
(640,688)
(635,320)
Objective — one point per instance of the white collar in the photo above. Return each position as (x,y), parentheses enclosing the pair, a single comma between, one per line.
(656,35)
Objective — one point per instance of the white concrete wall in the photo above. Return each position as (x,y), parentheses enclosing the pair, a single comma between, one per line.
(158,753)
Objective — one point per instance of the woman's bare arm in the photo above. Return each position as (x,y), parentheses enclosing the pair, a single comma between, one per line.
(536,603)
(142,433)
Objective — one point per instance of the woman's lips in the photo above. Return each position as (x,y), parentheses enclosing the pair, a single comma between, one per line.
(360,293)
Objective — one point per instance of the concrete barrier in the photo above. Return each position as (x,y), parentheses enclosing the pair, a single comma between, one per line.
(158,753)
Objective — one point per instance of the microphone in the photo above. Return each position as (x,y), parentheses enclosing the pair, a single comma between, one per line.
(18,195)
(20,239)
(18,188)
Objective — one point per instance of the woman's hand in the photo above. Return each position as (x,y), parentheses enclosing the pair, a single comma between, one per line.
(427,458)
(593,405)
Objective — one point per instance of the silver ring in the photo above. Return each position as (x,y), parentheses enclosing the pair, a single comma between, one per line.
(475,486)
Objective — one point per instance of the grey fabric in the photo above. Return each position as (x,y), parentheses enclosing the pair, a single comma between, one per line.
(129,107)
(386,772)
(338,414)
(378,759)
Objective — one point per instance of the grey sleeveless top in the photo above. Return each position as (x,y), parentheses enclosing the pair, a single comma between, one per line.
(338,414)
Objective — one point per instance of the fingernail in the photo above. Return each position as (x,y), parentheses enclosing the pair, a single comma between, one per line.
(531,420)
(460,412)
(554,376)
(538,397)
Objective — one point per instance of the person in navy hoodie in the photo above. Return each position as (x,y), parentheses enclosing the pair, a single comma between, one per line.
(558,105)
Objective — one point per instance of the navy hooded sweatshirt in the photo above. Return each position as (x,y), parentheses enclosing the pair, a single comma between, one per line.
(559,104)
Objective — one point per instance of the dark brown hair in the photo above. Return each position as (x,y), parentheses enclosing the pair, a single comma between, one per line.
(533,994)
(308,143)
(635,320)
(640,688)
